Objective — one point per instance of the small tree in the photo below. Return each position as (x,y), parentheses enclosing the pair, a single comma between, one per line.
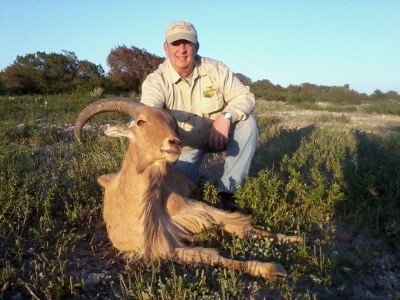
(24,75)
(88,76)
(3,88)
(341,95)
(130,66)
(43,73)
(244,79)
(264,89)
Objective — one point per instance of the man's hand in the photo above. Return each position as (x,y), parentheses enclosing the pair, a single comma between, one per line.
(218,137)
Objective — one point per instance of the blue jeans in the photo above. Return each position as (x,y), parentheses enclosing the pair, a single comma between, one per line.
(242,143)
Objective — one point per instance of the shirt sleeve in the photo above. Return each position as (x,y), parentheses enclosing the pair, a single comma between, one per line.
(240,102)
(152,91)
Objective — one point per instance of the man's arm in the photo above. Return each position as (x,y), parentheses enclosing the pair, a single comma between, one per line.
(152,91)
(240,101)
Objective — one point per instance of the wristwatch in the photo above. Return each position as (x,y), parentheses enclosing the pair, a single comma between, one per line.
(228,116)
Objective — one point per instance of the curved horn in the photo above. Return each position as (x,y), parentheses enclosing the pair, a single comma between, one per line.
(125,106)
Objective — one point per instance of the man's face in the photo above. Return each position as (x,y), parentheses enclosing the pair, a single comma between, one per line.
(182,55)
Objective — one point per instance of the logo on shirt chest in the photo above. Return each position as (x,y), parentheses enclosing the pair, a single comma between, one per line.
(209,91)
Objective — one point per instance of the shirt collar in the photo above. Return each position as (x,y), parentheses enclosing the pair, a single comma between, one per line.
(199,70)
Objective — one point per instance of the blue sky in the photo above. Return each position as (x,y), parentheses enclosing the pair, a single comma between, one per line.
(339,42)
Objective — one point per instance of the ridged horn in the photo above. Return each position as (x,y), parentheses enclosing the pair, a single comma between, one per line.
(125,106)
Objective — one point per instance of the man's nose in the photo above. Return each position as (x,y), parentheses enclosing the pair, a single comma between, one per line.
(182,47)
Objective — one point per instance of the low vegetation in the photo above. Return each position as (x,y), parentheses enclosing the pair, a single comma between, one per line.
(331,179)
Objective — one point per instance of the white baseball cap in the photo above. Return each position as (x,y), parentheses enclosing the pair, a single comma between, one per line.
(181,30)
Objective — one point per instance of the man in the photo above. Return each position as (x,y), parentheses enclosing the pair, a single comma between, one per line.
(212,108)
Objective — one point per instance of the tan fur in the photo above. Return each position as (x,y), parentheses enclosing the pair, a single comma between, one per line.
(146,209)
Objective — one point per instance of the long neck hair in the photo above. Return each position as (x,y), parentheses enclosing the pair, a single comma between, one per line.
(159,242)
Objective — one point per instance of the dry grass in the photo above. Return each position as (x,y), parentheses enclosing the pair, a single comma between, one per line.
(292,117)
